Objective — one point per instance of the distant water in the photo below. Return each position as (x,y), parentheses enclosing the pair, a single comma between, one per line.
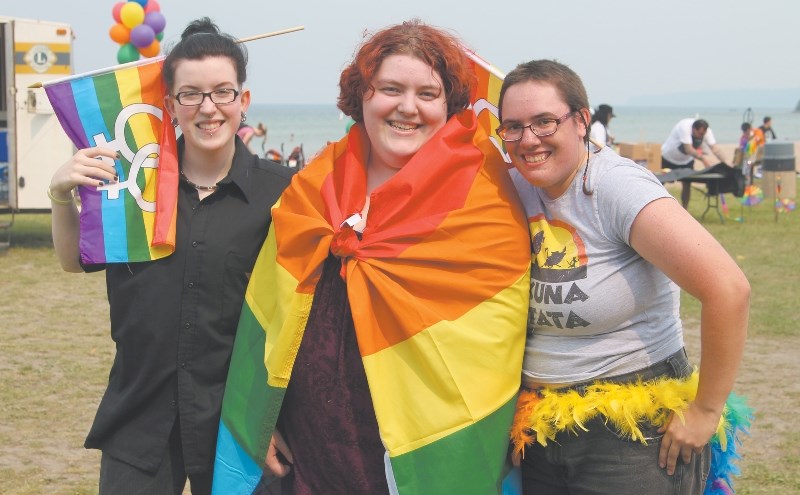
(311,126)
(314,126)
(653,124)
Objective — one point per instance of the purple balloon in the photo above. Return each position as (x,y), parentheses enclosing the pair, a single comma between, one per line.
(155,20)
(142,36)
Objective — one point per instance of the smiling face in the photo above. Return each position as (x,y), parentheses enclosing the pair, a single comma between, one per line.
(406,108)
(209,126)
(549,162)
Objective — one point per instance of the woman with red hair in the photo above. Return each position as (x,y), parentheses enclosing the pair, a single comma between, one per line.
(395,329)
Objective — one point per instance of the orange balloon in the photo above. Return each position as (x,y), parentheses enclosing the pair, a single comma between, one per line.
(152,50)
(119,33)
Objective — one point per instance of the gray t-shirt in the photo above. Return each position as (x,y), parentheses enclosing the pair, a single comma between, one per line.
(597,308)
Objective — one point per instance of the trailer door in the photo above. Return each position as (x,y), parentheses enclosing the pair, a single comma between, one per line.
(6,76)
(42,52)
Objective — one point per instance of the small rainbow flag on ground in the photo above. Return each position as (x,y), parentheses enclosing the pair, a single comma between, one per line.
(122,108)
(753,195)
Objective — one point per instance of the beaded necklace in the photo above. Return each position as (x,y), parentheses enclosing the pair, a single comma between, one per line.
(198,186)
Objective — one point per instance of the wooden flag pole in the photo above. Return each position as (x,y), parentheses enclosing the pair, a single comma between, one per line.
(268,35)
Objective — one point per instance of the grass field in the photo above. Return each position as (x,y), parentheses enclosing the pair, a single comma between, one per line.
(55,353)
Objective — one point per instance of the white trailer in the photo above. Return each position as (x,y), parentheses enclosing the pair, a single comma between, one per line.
(32,143)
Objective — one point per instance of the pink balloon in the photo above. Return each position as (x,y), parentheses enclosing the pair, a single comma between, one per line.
(155,20)
(115,11)
(142,36)
(152,6)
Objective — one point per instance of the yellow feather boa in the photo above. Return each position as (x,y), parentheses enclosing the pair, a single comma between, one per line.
(541,414)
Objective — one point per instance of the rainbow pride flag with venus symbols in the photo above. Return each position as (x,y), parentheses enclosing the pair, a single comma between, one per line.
(122,108)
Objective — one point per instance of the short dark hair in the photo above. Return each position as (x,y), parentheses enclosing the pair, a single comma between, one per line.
(700,124)
(603,114)
(202,38)
(746,127)
(567,83)
(440,50)
(767,119)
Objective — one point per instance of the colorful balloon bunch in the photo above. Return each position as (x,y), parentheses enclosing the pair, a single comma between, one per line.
(139,29)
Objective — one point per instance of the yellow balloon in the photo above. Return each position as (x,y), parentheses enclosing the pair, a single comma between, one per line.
(131,14)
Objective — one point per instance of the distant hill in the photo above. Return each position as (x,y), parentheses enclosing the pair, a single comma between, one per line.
(764,98)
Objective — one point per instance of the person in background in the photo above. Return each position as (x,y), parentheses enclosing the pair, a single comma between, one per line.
(402,321)
(247,132)
(684,145)
(767,130)
(751,147)
(600,121)
(173,320)
(609,401)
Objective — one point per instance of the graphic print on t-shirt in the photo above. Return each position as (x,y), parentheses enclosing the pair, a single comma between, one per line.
(558,262)
(557,252)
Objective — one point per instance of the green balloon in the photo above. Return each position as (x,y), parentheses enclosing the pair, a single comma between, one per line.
(127,53)
(160,36)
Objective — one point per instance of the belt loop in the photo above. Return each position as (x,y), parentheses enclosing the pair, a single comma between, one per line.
(679,363)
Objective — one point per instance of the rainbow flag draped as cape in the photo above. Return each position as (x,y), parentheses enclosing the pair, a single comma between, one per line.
(123,109)
(438,287)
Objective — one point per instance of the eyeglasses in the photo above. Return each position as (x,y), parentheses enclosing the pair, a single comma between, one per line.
(541,127)
(196,98)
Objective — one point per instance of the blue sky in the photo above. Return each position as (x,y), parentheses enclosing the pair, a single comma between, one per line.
(626,51)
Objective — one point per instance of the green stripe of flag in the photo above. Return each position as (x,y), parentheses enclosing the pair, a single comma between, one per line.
(110,106)
(470,461)
(251,406)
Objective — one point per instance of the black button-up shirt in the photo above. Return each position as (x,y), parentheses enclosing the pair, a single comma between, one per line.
(174,319)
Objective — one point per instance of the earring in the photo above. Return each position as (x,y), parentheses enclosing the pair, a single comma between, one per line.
(174,122)
(244,117)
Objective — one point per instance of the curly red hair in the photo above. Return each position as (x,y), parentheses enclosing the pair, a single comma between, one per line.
(440,50)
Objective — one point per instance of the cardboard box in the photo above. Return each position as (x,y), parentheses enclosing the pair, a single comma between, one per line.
(788,183)
(645,154)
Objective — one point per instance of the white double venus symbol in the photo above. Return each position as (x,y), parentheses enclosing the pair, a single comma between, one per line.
(144,157)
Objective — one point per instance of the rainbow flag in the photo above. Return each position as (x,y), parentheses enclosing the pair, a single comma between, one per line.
(122,108)
(486,97)
(438,286)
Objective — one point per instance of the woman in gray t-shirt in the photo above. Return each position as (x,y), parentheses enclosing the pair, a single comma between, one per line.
(605,372)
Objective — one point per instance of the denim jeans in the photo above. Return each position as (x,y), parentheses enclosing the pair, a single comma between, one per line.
(601,461)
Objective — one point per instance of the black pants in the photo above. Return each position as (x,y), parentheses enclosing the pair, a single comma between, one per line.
(120,478)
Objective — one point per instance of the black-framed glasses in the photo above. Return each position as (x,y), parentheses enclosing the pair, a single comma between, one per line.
(196,98)
(541,127)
